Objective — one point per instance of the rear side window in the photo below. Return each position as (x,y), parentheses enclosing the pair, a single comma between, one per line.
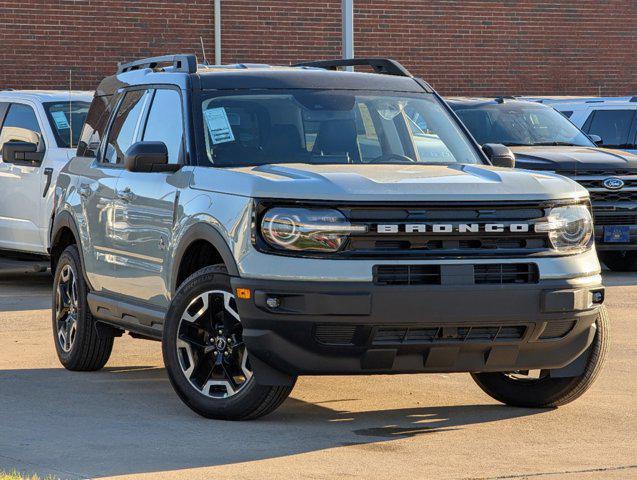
(125,126)
(613,126)
(21,125)
(566,113)
(165,122)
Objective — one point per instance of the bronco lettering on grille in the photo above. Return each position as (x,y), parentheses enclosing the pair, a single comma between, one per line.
(453,228)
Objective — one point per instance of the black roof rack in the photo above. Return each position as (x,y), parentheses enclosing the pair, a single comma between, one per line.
(238,66)
(502,98)
(383,66)
(181,63)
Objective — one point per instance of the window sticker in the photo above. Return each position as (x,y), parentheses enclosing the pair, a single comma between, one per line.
(60,120)
(218,125)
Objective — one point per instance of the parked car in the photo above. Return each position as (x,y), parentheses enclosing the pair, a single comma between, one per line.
(613,119)
(269,222)
(542,139)
(38,135)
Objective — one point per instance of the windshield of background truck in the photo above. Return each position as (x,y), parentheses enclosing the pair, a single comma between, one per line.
(66,119)
(330,127)
(521,125)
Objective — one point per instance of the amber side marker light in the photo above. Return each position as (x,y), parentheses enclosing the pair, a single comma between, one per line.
(244,293)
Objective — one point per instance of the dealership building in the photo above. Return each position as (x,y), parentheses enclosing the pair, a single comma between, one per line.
(470,47)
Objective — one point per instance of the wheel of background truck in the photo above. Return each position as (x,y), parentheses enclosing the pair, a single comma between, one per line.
(620,261)
(206,359)
(78,344)
(521,390)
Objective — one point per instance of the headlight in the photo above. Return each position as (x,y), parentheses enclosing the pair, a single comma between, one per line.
(570,228)
(304,229)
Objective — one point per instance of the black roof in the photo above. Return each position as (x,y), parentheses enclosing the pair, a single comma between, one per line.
(303,77)
(183,71)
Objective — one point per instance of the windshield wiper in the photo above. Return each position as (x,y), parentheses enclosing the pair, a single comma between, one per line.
(514,144)
(555,144)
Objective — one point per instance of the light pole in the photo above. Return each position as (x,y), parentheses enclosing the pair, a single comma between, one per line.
(347,11)
(217,32)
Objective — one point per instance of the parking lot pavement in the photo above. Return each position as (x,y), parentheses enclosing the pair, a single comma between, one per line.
(126,420)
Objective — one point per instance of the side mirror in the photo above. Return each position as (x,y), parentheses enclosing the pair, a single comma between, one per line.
(500,155)
(24,153)
(148,157)
(596,139)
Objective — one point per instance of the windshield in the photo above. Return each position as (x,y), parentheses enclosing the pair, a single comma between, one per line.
(521,125)
(331,127)
(66,127)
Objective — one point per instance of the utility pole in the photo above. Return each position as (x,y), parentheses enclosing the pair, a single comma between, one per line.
(347,11)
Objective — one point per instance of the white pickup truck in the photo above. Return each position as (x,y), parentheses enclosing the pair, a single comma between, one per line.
(39,131)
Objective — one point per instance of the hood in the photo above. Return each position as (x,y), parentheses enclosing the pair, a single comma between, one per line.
(573,158)
(386,183)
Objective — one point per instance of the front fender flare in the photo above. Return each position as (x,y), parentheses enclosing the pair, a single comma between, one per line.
(202,231)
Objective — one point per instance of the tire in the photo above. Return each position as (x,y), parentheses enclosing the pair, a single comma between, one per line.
(211,384)
(547,392)
(78,344)
(620,261)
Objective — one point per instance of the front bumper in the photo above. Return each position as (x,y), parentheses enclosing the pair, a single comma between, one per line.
(362,328)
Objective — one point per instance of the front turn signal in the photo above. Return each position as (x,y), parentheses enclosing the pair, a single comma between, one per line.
(244,293)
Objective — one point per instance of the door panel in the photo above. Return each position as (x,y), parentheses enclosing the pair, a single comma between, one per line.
(145,204)
(20,227)
(144,211)
(99,194)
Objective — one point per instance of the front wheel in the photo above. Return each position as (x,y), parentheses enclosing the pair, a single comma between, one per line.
(542,391)
(620,261)
(207,362)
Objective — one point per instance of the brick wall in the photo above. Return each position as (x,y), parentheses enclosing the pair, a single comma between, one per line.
(461,47)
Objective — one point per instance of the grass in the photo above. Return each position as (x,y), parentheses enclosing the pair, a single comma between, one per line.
(17,476)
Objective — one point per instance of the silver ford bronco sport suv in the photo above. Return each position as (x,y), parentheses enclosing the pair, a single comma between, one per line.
(269,222)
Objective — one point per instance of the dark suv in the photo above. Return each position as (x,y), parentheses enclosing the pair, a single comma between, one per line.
(543,139)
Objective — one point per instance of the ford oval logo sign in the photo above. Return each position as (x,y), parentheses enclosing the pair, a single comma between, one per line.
(613,183)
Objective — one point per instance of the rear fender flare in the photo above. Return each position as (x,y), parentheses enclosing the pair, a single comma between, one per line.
(62,220)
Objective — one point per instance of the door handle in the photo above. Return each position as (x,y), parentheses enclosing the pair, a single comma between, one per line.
(85,191)
(48,172)
(126,195)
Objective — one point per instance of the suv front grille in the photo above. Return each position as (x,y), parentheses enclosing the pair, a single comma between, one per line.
(599,183)
(407,275)
(375,243)
(506,273)
(596,173)
(605,218)
(593,181)
(613,196)
(492,273)
(335,334)
(423,335)
(557,329)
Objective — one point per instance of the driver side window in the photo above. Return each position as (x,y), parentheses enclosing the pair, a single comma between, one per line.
(21,125)
(124,127)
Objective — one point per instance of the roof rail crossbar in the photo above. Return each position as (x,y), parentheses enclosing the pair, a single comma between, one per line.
(181,63)
(383,66)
